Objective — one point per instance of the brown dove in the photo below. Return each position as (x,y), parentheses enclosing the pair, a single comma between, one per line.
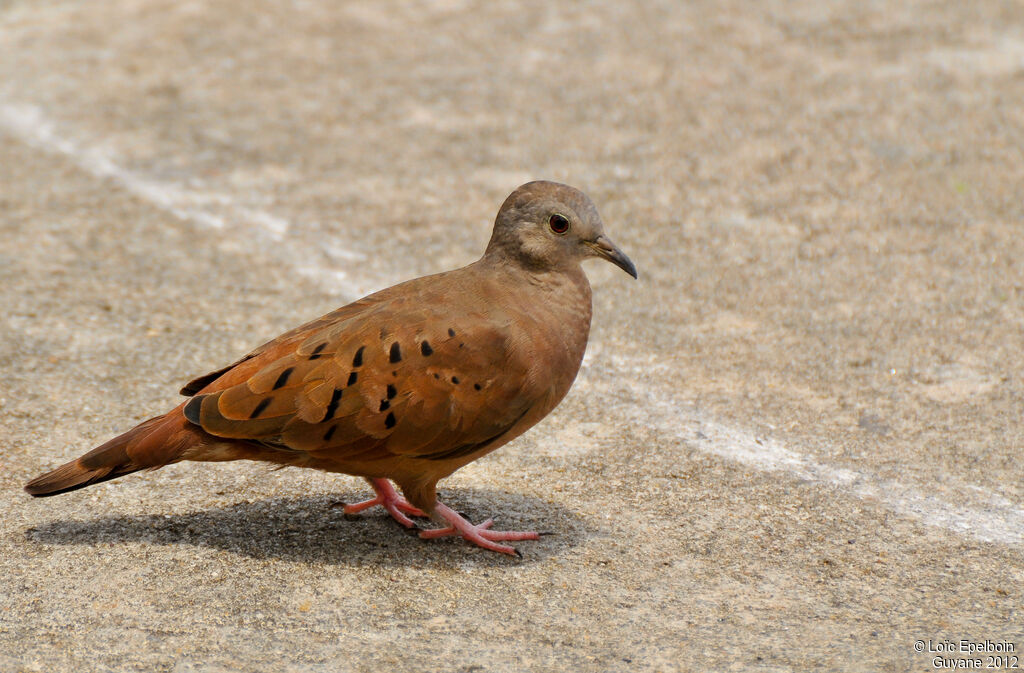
(405,385)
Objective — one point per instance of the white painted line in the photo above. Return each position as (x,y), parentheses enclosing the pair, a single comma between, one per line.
(204,208)
(998,521)
(991,519)
(995,520)
(27,123)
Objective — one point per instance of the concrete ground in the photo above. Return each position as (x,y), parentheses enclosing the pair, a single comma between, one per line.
(795,444)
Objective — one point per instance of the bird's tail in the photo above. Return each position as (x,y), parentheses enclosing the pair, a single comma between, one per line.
(151,444)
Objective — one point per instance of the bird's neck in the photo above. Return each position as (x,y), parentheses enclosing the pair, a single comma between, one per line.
(567,281)
(560,298)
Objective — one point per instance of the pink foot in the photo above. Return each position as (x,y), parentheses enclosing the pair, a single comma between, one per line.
(388,497)
(480,535)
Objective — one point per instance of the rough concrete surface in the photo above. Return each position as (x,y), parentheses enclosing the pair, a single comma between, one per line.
(795,444)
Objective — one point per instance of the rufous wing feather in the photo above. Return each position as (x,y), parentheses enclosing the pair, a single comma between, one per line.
(392,380)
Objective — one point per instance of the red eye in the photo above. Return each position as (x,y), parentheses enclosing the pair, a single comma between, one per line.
(559,223)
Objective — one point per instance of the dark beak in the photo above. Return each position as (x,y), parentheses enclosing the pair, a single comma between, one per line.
(604,247)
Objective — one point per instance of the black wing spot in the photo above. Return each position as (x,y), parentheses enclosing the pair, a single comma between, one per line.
(426,349)
(261,407)
(390,421)
(476,386)
(316,351)
(357,361)
(384,405)
(436,375)
(352,378)
(192,409)
(283,378)
(451,332)
(396,353)
(330,433)
(392,391)
(455,380)
(333,406)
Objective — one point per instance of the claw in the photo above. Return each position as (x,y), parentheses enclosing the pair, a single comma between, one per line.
(480,534)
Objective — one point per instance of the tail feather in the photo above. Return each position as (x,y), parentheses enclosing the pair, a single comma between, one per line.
(71,477)
(154,443)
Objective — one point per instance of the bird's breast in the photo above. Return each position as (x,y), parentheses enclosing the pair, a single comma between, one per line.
(554,332)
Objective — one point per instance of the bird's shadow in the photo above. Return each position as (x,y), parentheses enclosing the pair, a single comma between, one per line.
(313,529)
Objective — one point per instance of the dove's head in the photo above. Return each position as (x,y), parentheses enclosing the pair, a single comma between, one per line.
(546,225)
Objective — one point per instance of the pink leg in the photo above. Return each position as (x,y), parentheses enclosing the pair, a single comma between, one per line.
(388,497)
(480,535)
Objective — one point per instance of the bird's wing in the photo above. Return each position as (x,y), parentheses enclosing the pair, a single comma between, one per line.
(390,379)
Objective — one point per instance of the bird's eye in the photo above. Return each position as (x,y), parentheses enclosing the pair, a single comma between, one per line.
(558,223)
